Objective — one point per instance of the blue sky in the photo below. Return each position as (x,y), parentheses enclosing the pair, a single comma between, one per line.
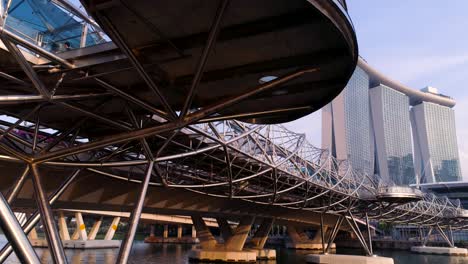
(418,43)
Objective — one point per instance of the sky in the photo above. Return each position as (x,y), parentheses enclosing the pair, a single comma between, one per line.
(419,43)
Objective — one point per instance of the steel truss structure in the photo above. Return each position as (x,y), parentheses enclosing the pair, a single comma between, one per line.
(187,145)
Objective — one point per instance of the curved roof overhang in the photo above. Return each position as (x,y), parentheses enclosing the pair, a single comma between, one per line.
(255,39)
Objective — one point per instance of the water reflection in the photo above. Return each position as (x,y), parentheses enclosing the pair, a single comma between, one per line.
(176,253)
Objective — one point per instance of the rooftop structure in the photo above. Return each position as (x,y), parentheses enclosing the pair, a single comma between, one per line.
(416,96)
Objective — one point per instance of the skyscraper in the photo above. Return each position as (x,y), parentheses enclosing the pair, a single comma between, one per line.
(346,129)
(411,146)
(435,143)
(392,132)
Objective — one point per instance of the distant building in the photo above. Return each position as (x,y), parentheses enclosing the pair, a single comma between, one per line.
(346,126)
(452,190)
(392,132)
(376,131)
(435,143)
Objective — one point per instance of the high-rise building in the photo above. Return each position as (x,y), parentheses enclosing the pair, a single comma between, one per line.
(435,143)
(346,126)
(392,133)
(416,146)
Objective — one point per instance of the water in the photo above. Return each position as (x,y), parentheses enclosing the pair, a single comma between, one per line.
(177,253)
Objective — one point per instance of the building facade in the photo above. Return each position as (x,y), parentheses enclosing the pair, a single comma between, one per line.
(435,143)
(346,126)
(383,127)
(392,133)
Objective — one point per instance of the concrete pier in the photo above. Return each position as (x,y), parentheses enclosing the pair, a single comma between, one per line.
(203,255)
(171,240)
(265,253)
(80,244)
(234,240)
(348,259)
(307,246)
(451,251)
(300,240)
(165,238)
(80,239)
(257,243)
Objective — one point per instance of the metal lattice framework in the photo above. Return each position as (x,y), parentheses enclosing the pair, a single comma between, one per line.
(265,164)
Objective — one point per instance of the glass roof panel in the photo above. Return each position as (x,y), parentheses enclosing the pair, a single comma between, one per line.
(50,26)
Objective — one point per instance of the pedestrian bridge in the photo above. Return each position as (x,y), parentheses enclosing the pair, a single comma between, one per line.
(171,108)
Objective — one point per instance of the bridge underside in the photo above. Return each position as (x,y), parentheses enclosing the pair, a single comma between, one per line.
(96,192)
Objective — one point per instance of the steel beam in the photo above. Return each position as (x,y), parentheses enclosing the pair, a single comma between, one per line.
(18,40)
(214,31)
(15,235)
(322,233)
(127,243)
(34,219)
(120,42)
(177,124)
(52,234)
(17,185)
(27,68)
(336,229)
(369,234)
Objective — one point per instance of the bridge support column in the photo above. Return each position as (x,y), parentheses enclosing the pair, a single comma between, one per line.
(237,240)
(207,240)
(166,231)
(300,240)
(257,243)
(95,229)
(194,232)
(33,234)
(80,227)
(152,236)
(351,259)
(179,231)
(447,236)
(225,228)
(231,250)
(112,228)
(63,228)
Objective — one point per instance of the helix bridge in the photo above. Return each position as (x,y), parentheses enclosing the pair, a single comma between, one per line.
(187,99)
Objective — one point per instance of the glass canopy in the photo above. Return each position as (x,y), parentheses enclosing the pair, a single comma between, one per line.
(51,24)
